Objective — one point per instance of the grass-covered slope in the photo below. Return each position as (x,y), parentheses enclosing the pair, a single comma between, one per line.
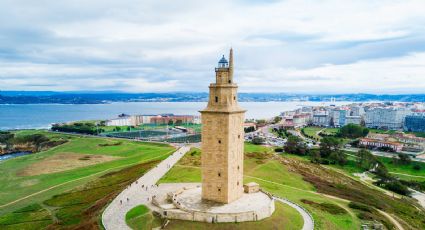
(36,177)
(323,191)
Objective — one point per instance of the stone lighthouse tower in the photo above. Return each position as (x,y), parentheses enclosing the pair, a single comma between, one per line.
(222,138)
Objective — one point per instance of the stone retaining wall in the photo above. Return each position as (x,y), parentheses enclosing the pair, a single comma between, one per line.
(256,215)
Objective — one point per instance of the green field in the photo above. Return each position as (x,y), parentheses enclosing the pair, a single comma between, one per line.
(141,218)
(37,177)
(313,131)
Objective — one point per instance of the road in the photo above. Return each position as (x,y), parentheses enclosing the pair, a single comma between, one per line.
(308,219)
(138,192)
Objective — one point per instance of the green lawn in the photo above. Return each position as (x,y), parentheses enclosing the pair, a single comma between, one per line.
(312,131)
(38,188)
(141,218)
(249,148)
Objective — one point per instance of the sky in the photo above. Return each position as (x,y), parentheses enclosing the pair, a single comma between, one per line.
(321,46)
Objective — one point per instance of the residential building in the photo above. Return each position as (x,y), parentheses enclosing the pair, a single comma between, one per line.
(171,118)
(397,147)
(321,118)
(300,120)
(353,120)
(386,118)
(122,120)
(357,111)
(415,122)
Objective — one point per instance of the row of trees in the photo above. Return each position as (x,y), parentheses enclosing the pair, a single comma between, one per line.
(329,151)
(78,127)
(352,131)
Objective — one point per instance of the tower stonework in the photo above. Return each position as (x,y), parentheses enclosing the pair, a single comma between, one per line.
(222,138)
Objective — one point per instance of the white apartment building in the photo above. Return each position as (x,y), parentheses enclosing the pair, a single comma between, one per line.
(122,120)
(321,118)
(357,111)
(386,118)
(353,120)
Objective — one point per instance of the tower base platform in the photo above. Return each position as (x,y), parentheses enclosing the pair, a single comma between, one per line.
(183,201)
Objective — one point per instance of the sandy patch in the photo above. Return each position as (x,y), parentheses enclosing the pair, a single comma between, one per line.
(62,162)
(27,183)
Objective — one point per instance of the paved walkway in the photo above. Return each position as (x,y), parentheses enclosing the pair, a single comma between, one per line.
(308,220)
(138,192)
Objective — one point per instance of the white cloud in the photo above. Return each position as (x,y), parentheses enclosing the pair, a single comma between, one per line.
(174,45)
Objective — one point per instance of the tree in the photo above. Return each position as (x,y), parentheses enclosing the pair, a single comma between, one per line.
(352,131)
(329,145)
(404,159)
(381,171)
(315,156)
(295,145)
(417,167)
(170,122)
(395,186)
(249,129)
(277,119)
(257,140)
(338,157)
(5,137)
(366,160)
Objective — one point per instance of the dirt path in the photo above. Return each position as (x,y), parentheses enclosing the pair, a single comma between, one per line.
(403,174)
(81,178)
(394,221)
(52,212)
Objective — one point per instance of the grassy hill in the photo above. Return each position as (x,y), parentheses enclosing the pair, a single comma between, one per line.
(33,179)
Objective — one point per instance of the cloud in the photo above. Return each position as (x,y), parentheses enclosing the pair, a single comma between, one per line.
(129,45)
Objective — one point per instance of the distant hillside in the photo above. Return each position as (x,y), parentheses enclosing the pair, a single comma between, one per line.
(49,97)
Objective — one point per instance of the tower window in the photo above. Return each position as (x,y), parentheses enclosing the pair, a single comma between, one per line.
(219,189)
(238,167)
(238,183)
(219,141)
(234,98)
(230,81)
(216,99)
(239,136)
(219,174)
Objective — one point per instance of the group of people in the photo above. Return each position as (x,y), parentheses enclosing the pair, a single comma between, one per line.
(146,187)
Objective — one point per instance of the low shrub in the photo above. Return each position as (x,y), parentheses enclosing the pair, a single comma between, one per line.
(327,207)
(360,206)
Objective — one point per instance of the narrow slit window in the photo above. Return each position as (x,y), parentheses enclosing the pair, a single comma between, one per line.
(216,99)
(219,174)
(219,141)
